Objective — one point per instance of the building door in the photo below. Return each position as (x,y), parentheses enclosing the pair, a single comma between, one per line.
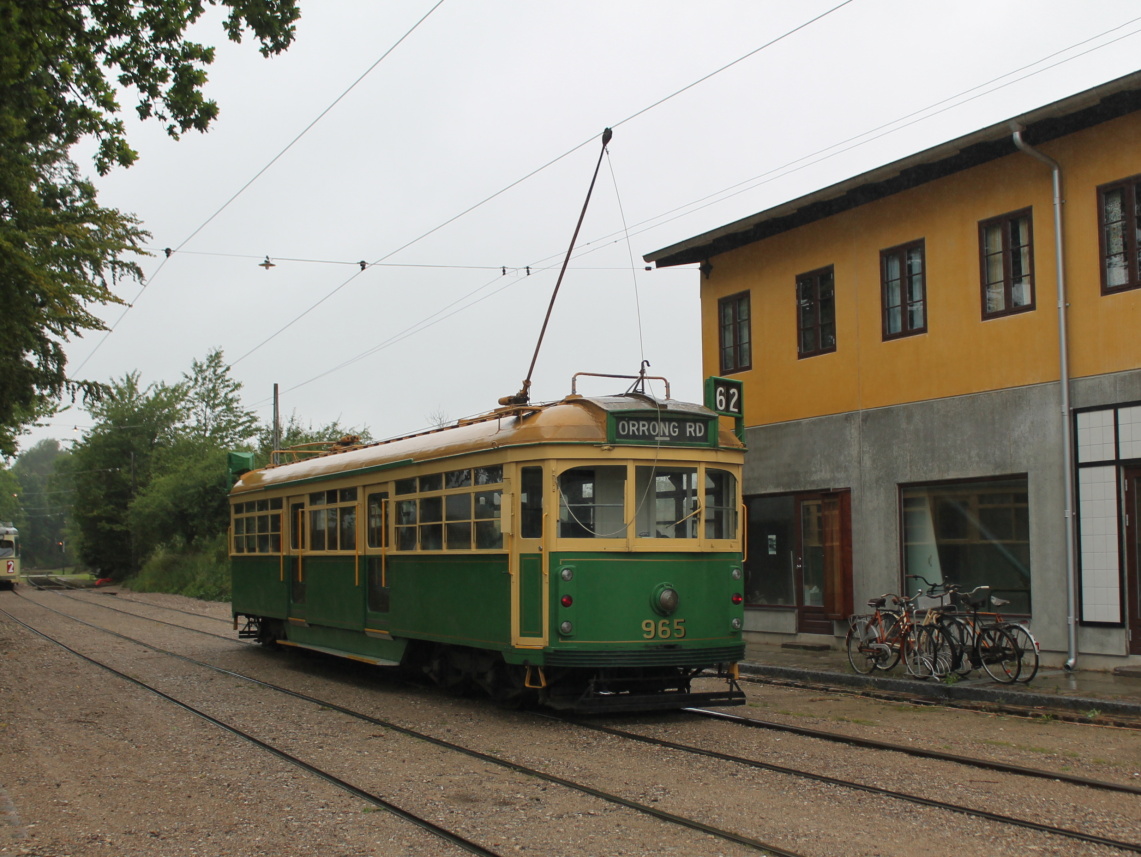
(1133,557)
(823,564)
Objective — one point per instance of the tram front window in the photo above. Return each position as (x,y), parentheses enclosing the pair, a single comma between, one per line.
(7,547)
(667,502)
(720,504)
(591,503)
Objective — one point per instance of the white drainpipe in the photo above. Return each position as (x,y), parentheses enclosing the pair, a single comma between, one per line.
(1067,447)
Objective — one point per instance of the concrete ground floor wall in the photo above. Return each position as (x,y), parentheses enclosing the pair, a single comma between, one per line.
(872,453)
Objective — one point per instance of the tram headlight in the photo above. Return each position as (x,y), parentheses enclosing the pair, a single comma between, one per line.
(665,599)
(736,623)
(566,573)
(735,573)
(566,628)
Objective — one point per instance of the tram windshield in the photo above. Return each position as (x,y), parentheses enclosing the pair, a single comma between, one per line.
(670,502)
(592,502)
(7,547)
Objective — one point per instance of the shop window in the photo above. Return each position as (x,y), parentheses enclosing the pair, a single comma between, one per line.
(970,534)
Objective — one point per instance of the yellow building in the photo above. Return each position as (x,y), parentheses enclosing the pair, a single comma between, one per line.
(917,400)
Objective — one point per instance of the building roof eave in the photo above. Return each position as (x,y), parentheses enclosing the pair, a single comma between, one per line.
(1083,110)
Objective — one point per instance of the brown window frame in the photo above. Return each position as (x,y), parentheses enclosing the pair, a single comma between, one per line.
(736,356)
(818,325)
(1007,252)
(1131,225)
(906,301)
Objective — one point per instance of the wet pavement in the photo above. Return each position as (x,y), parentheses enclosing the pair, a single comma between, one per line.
(1089,692)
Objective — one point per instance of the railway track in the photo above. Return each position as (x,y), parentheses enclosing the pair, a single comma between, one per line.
(1067,833)
(918,752)
(719,833)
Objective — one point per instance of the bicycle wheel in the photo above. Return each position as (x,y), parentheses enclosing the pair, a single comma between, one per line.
(941,649)
(961,634)
(998,654)
(1028,649)
(891,638)
(861,655)
(918,656)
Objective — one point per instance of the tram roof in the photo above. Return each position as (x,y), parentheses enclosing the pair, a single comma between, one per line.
(576,419)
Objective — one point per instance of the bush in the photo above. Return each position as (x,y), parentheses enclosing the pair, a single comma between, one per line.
(194,572)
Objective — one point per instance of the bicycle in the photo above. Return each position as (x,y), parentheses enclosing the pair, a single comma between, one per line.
(992,647)
(1027,645)
(988,646)
(882,639)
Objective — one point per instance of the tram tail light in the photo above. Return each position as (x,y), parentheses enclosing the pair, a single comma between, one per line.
(738,598)
(566,601)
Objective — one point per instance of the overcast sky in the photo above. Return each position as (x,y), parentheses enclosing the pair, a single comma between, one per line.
(475,103)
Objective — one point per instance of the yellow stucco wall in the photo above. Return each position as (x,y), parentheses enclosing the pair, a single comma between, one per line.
(960,353)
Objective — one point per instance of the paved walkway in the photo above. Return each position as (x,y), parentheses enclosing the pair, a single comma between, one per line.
(1079,690)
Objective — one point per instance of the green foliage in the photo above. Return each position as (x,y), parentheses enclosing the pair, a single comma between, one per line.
(202,572)
(214,405)
(9,499)
(45,500)
(185,503)
(114,462)
(63,65)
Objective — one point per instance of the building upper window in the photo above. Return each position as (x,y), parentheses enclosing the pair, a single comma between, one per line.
(816,312)
(1120,221)
(904,290)
(733,324)
(1007,257)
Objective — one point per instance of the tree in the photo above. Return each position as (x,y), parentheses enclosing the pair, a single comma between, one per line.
(63,65)
(114,462)
(45,498)
(214,406)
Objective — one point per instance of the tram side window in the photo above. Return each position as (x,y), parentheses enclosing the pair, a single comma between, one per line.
(531,503)
(592,502)
(667,502)
(333,520)
(377,523)
(257,526)
(488,529)
(406,525)
(431,526)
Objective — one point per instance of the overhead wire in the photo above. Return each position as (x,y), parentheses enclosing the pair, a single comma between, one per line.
(642,225)
(536,171)
(168,251)
(711,199)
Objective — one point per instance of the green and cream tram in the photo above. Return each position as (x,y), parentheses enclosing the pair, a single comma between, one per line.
(586,552)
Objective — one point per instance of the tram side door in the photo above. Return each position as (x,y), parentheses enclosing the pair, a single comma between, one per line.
(528,575)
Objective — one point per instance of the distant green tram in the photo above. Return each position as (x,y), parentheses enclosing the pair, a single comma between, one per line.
(585,553)
(9,555)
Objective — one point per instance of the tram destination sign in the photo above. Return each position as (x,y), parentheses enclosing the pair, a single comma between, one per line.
(654,427)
